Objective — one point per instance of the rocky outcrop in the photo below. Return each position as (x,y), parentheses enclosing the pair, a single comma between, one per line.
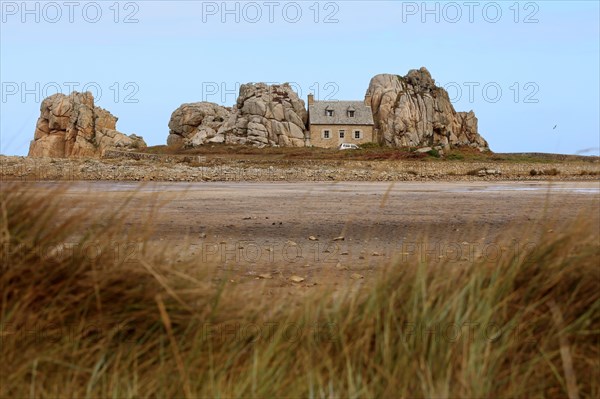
(194,124)
(411,111)
(263,115)
(267,115)
(72,126)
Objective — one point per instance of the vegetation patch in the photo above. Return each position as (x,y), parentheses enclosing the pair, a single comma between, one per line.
(544,172)
(79,324)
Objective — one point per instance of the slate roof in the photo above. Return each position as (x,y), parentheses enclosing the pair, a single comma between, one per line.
(318,116)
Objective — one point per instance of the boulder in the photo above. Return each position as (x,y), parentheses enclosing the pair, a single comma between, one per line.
(423,150)
(266,115)
(195,124)
(411,111)
(72,126)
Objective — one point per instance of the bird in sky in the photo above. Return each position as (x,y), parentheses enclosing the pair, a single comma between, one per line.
(554,127)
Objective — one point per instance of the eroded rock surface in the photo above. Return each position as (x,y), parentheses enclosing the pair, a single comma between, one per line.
(72,126)
(264,115)
(411,111)
(267,115)
(194,124)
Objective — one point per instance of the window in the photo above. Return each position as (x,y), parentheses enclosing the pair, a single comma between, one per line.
(342,133)
(357,134)
(329,112)
(326,134)
(351,114)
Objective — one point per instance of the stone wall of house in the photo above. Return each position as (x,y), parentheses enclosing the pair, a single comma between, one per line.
(317,140)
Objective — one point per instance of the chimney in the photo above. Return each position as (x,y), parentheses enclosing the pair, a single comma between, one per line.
(311,99)
(368,100)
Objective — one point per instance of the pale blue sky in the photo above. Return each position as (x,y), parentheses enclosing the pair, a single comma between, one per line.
(176,52)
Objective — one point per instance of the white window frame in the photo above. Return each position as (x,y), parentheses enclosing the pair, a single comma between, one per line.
(328,131)
(351,114)
(342,133)
(329,112)
(360,134)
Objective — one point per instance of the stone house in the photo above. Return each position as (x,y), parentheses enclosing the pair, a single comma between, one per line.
(331,123)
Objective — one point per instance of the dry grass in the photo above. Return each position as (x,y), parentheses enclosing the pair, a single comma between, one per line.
(368,152)
(101,325)
(270,154)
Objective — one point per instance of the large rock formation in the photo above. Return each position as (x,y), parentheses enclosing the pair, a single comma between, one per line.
(263,116)
(195,124)
(411,111)
(267,115)
(72,126)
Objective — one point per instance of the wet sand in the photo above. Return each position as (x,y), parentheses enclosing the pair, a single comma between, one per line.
(262,227)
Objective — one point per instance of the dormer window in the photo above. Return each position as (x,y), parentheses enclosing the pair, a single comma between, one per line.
(329,112)
(351,111)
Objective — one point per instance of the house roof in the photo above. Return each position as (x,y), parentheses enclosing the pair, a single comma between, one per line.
(318,116)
